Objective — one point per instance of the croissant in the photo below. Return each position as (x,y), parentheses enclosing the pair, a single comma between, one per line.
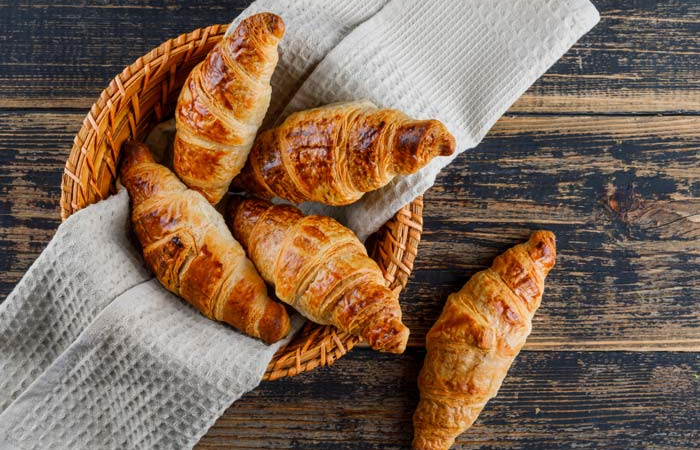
(222,105)
(473,343)
(321,269)
(336,153)
(188,247)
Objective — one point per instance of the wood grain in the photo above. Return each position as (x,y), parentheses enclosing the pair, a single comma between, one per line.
(641,58)
(583,153)
(33,151)
(621,193)
(557,400)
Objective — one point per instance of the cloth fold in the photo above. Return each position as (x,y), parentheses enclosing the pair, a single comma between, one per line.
(95,354)
(148,372)
(88,263)
(464,63)
(313,28)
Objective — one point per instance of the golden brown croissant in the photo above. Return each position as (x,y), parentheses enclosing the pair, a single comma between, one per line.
(192,253)
(473,343)
(222,105)
(336,153)
(321,269)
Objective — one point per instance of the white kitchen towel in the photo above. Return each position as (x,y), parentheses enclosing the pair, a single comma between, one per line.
(97,355)
(313,28)
(89,262)
(91,356)
(149,372)
(462,62)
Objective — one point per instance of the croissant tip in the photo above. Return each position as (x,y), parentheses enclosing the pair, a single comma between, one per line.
(419,141)
(241,214)
(273,23)
(133,152)
(278,329)
(544,237)
(543,247)
(394,340)
(444,143)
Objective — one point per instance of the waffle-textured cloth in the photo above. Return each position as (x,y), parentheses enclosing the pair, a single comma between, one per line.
(462,62)
(94,355)
(148,372)
(88,263)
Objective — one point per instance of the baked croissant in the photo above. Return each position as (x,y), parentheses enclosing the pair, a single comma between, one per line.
(321,269)
(336,153)
(222,105)
(473,343)
(189,249)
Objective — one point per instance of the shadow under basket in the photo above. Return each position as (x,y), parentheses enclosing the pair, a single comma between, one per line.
(145,94)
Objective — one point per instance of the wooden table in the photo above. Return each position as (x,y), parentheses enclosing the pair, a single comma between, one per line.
(604,150)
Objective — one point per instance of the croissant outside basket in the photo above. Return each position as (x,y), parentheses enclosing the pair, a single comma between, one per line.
(145,94)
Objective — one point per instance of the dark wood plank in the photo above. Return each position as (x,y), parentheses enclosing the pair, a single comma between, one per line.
(33,151)
(622,194)
(550,400)
(642,57)
(61,54)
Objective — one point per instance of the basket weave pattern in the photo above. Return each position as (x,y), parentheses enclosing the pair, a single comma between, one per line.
(145,94)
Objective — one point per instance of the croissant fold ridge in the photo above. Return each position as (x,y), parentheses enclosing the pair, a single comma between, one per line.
(320,268)
(189,249)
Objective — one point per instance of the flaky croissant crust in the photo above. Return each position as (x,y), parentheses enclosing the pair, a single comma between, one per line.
(222,105)
(473,343)
(336,153)
(321,269)
(190,250)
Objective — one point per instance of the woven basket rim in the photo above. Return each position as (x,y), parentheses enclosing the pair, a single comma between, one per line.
(140,97)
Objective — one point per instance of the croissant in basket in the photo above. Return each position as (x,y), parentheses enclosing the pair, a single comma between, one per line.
(222,105)
(336,153)
(321,269)
(188,247)
(478,335)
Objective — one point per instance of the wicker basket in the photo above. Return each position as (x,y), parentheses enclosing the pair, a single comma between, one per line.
(143,95)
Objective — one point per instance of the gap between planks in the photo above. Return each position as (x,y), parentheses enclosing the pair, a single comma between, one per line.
(670,345)
(632,104)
